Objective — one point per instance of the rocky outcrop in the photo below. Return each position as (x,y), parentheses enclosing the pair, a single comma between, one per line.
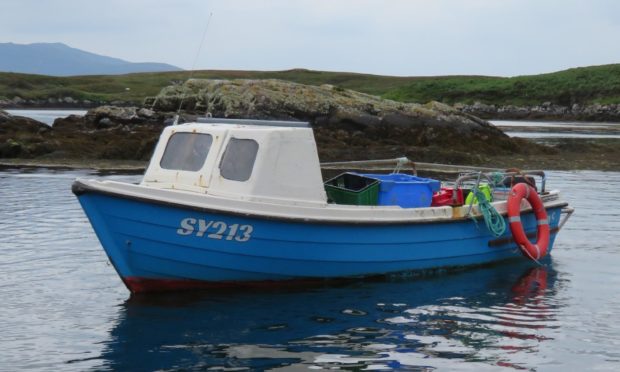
(127,133)
(545,111)
(276,99)
(21,136)
(341,118)
(106,117)
(109,132)
(56,102)
(14,124)
(347,124)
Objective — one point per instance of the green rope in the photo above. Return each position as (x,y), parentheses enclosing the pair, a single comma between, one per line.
(497,178)
(494,221)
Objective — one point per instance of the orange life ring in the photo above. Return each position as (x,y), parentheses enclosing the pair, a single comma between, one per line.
(533,251)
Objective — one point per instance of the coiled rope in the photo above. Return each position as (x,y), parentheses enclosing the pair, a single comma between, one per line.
(494,221)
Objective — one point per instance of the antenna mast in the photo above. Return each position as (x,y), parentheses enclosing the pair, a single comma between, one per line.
(191,73)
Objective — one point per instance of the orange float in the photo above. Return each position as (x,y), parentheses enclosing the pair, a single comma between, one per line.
(537,250)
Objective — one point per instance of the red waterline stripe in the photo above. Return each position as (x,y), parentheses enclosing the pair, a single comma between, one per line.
(148,285)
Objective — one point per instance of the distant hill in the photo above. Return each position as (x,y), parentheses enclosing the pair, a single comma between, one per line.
(57,59)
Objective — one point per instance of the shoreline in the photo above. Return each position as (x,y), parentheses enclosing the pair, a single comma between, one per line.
(348,125)
(125,166)
(563,161)
(333,145)
(545,112)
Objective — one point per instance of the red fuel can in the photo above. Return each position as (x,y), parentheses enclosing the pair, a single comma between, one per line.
(445,196)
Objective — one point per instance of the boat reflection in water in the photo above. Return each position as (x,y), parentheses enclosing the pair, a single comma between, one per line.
(497,316)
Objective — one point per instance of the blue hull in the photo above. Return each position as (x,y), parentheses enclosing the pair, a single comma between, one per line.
(158,247)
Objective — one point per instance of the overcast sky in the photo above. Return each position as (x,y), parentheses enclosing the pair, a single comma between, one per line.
(389,37)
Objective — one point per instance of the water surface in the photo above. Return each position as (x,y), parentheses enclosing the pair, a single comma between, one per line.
(64,308)
(46,116)
(559,135)
(547,129)
(555,124)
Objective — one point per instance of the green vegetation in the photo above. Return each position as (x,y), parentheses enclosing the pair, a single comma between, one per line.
(586,85)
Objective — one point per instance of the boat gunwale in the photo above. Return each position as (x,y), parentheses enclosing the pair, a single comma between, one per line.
(79,187)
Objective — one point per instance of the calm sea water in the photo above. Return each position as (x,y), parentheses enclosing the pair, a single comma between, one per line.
(532,129)
(62,306)
(46,116)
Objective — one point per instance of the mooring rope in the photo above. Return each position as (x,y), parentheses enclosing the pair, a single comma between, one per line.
(497,178)
(493,220)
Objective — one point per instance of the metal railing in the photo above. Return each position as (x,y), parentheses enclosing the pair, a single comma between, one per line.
(490,178)
(269,123)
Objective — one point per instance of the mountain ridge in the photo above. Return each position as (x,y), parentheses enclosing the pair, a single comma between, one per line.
(58,59)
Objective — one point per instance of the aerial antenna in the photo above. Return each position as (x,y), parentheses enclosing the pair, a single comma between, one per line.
(191,73)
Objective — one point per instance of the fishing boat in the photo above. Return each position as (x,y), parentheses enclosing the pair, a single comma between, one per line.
(227,202)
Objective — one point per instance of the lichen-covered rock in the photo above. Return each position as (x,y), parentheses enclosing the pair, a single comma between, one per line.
(73,123)
(22,137)
(330,108)
(10,149)
(279,99)
(146,113)
(111,116)
(13,124)
(114,113)
(276,99)
(545,111)
(347,124)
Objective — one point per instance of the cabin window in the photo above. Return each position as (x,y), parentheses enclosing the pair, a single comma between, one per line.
(238,159)
(186,151)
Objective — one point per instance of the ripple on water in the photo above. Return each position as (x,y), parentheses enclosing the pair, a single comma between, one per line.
(52,274)
(63,307)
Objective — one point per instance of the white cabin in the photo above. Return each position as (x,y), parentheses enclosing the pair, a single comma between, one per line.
(240,160)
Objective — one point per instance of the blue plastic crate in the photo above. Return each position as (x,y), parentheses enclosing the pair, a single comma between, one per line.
(405,190)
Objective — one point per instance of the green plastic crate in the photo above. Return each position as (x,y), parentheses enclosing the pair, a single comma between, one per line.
(352,189)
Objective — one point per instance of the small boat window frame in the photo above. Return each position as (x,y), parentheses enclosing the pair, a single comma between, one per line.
(237,162)
(186,151)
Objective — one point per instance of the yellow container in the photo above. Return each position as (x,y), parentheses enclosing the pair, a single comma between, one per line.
(486,190)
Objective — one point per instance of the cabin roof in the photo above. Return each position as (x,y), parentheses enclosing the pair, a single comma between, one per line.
(253,161)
